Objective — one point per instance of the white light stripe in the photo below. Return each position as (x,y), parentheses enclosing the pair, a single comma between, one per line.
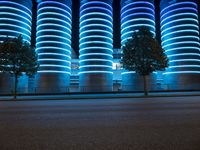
(53,30)
(54,19)
(96,13)
(179,37)
(140,2)
(96,71)
(180,14)
(56,8)
(102,8)
(21,22)
(181,72)
(185,66)
(97,25)
(139,19)
(60,60)
(54,54)
(12,25)
(16,15)
(90,54)
(53,71)
(53,13)
(137,25)
(94,2)
(3,30)
(16,9)
(182,25)
(94,66)
(95,19)
(17,4)
(132,10)
(54,3)
(177,3)
(53,42)
(93,31)
(53,24)
(105,60)
(179,31)
(93,36)
(95,42)
(184,54)
(52,47)
(182,48)
(95,47)
(135,14)
(53,36)
(59,66)
(184,42)
(178,20)
(180,60)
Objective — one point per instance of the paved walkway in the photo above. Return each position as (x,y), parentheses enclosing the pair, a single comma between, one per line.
(99,95)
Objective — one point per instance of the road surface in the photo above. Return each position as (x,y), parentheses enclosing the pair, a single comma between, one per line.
(171,123)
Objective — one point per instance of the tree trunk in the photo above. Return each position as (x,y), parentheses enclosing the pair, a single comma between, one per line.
(145,85)
(15,87)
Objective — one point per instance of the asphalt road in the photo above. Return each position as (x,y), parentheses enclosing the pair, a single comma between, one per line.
(102,124)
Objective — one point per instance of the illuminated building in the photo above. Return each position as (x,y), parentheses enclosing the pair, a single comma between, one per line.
(96,45)
(180,40)
(135,14)
(53,44)
(15,19)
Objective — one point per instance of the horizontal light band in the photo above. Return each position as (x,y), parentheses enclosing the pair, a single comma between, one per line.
(179,31)
(95,19)
(138,19)
(184,42)
(53,36)
(95,47)
(95,2)
(54,54)
(53,71)
(105,60)
(53,30)
(133,9)
(182,48)
(177,3)
(52,47)
(15,20)
(16,15)
(180,14)
(178,20)
(133,3)
(181,72)
(96,7)
(53,2)
(10,2)
(137,14)
(96,13)
(96,25)
(16,9)
(90,54)
(95,72)
(27,36)
(96,42)
(12,25)
(59,66)
(52,7)
(54,19)
(93,31)
(89,66)
(60,60)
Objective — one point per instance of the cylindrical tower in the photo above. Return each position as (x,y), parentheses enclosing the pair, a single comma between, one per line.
(135,14)
(180,40)
(15,20)
(96,45)
(53,45)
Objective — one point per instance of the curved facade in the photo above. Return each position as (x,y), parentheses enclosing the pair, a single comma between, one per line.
(15,19)
(96,45)
(134,14)
(180,40)
(53,44)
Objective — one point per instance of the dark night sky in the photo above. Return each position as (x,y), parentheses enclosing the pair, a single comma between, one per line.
(116,23)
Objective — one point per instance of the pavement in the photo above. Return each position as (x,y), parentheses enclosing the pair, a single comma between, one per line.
(69,96)
(154,123)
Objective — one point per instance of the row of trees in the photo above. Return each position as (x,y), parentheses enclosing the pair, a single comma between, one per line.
(17,57)
(142,54)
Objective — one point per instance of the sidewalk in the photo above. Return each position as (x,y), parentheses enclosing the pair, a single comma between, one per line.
(70,96)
